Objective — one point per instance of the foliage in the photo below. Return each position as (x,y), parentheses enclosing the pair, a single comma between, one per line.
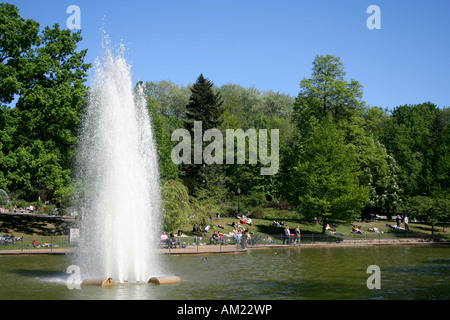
(386,193)
(177,206)
(338,158)
(430,209)
(204,105)
(327,93)
(45,74)
(327,179)
(180,209)
(167,169)
(418,136)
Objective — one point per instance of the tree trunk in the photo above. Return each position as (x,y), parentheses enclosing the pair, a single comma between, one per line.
(324,224)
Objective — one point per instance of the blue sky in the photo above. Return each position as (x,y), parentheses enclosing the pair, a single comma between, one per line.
(271,44)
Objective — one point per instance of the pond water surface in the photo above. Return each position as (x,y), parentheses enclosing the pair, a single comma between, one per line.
(406,273)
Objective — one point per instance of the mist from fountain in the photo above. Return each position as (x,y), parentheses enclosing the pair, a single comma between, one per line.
(119,197)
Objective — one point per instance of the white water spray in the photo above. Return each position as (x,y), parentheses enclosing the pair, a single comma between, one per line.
(118,174)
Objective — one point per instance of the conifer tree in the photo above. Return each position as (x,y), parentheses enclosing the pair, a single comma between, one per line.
(205,106)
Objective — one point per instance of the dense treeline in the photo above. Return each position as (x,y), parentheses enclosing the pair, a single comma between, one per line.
(338,157)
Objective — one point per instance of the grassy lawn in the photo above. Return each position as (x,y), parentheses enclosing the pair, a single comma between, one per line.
(45,230)
(55,232)
(265,228)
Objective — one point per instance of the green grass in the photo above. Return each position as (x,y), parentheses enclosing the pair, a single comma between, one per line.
(265,228)
(55,232)
(26,241)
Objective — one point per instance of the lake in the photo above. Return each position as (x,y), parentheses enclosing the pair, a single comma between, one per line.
(405,273)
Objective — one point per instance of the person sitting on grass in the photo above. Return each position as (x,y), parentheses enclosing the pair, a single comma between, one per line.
(214,238)
(356,230)
(269,239)
(375,229)
(221,238)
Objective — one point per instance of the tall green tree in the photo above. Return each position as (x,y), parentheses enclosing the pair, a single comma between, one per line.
(329,112)
(167,169)
(17,37)
(172,98)
(418,137)
(39,132)
(327,176)
(326,92)
(205,106)
(430,209)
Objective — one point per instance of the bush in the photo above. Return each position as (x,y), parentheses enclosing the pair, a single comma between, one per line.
(254,200)
(257,213)
(276,214)
(282,205)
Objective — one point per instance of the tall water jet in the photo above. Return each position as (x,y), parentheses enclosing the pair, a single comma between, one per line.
(118,179)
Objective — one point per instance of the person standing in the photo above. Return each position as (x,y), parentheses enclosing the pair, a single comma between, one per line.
(398,220)
(244,239)
(287,235)
(406,221)
(297,234)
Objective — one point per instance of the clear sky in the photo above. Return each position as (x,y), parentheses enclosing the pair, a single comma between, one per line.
(271,44)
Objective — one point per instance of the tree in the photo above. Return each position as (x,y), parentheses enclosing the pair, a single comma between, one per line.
(180,209)
(46,74)
(386,194)
(17,37)
(430,209)
(177,206)
(326,92)
(204,106)
(418,137)
(329,112)
(172,98)
(167,169)
(326,180)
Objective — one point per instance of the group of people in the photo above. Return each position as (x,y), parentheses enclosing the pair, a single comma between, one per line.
(44,245)
(278,223)
(217,237)
(238,234)
(244,219)
(8,239)
(289,237)
(399,219)
(171,240)
(29,209)
(357,230)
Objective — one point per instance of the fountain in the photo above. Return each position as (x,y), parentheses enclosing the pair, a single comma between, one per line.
(117,176)
(4,201)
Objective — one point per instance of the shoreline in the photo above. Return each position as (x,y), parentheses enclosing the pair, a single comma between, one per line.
(231,249)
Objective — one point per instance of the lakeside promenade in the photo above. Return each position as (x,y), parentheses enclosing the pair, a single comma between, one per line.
(233,249)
